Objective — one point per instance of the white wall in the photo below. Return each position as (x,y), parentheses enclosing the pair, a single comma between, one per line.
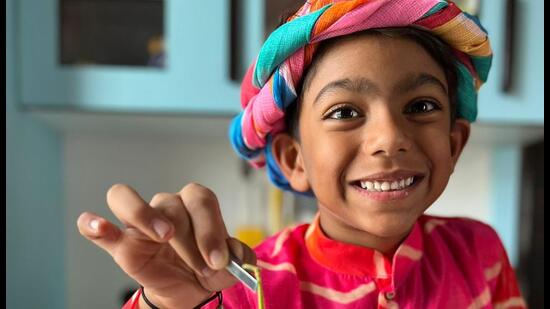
(468,191)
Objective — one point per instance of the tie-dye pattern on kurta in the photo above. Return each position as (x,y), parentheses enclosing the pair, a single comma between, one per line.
(443,263)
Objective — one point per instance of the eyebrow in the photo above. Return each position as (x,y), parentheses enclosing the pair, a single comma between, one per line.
(413,81)
(358,85)
(368,87)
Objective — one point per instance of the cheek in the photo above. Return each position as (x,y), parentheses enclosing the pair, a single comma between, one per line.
(435,142)
(326,157)
(437,148)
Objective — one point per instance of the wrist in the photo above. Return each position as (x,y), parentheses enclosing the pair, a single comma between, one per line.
(150,301)
(142,303)
(145,302)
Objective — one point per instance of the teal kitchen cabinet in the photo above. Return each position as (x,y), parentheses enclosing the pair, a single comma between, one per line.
(195,77)
(524,103)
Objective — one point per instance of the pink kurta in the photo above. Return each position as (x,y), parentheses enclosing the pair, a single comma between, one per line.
(443,263)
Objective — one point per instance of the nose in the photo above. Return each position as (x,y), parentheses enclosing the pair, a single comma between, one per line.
(386,136)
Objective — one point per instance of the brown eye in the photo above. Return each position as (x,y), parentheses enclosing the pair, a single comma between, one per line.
(421,106)
(343,113)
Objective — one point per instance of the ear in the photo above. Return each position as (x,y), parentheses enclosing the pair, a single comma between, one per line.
(288,155)
(460,132)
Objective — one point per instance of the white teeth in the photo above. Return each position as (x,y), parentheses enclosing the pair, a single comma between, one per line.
(369,185)
(376,186)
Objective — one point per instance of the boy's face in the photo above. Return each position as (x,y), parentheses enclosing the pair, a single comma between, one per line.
(376,115)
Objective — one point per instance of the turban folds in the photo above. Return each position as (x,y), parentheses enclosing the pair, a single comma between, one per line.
(270,83)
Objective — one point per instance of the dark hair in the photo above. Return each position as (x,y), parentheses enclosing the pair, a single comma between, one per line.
(440,52)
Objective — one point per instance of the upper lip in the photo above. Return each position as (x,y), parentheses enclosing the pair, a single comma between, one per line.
(390,176)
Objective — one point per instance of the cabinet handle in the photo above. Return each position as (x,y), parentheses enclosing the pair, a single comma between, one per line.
(509,46)
(236,19)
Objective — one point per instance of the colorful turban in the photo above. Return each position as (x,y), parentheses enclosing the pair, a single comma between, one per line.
(269,85)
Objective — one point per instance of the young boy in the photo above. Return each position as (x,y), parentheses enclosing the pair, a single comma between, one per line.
(366,106)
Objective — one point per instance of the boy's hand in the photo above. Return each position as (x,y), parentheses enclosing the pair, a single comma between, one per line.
(176,246)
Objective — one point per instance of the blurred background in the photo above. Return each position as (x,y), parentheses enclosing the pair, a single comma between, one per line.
(142,92)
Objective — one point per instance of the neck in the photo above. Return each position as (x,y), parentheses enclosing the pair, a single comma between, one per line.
(336,228)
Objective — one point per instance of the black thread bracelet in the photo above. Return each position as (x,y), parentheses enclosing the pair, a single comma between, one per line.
(149,303)
(218,295)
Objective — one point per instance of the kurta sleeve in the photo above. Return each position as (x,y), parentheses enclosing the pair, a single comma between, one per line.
(506,292)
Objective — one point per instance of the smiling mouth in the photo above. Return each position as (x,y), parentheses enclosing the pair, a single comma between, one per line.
(388,185)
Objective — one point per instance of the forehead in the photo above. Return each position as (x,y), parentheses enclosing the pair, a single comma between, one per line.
(384,60)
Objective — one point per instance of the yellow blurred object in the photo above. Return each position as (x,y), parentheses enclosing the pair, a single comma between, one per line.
(250,235)
(275,210)
(260,289)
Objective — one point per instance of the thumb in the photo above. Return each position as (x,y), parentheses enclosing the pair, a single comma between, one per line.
(223,278)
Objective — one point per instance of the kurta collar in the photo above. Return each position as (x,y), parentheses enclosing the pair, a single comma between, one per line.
(350,259)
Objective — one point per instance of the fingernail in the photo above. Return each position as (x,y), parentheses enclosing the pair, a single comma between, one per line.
(160,227)
(207,271)
(94,224)
(217,259)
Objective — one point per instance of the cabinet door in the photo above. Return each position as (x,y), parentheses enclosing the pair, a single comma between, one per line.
(524,103)
(195,76)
